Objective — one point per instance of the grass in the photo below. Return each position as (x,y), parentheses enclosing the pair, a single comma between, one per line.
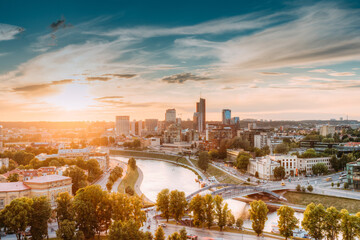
(300,198)
(129,180)
(221,176)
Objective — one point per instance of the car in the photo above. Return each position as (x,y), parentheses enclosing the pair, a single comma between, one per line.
(163,225)
(192,236)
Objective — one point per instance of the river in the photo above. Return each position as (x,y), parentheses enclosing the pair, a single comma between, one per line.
(159,175)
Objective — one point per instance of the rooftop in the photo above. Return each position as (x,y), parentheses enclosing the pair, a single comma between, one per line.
(13,187)
(48,178)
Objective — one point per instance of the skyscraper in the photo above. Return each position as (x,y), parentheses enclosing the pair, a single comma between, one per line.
(170,115)
(200,116)
(122,125)
(226,116)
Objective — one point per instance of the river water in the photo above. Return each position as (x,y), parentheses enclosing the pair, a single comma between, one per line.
(159,175)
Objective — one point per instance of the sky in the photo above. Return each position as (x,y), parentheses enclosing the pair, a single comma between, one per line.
(93,60)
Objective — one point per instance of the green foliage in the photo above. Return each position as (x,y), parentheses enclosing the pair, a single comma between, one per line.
(159,234)
(221,211)
(346,185)
(127,230)
(287,221)
(242,161)
(281,148)
(40,214)
(178,204)
(94,170)
(332,222)
(129,190)
(203,162)
(23,158)
(239,223)
(197,207)
(66,230)
(309,153)
(64,208)
(214,154)
(16,216)
(314,217)
(310,188)
(13,177)
(209,210)
(230,219)
(319,168)
(132,163)
(349,225)
(78,178)
(163,203)
(279,173)
(258,216)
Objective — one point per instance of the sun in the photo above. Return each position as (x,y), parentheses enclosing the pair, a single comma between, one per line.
(73,97)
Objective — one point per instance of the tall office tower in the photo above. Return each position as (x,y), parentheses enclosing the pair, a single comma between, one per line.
(136,127)
(170,115)
(151,125)
(226,116)
(200,116)
(1,138)
(122,125)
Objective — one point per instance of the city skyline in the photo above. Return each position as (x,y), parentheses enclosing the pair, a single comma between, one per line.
(84,61)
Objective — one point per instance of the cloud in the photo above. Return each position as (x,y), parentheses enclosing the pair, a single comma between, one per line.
(121,75)
(8,32)
(272,73)
(61,23)
(227,88)
(108,97)
(342,74)
(319,70)
(103,79)
(183,77)
(41,88)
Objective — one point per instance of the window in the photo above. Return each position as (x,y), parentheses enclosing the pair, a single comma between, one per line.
(2,203)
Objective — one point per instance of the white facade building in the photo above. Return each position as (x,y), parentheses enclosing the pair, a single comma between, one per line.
(122,125)
(261,140)
(264,166)
(326,130)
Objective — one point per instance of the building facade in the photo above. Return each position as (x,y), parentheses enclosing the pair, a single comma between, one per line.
(122,125)
(200,116)
(263,166)
(170,115)
(353,174)
(226,116)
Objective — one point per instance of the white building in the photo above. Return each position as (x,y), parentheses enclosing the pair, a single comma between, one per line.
(170,115)
(261,140)
(306,164)
(290,163)
(155,142)
(326,130)
(264,166)
(122,125)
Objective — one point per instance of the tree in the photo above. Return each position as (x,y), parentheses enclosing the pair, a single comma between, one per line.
(349,225)
(94,170)
(313,222)
(239,223)
(64,207)
(332,224)
(298,188)
(159,234)
(346,185)
(282,148)
(16,215)
(78,178)
(197,206)
(14,177)
(230,219)
(257,174)
(279,172)
(287,221)
(203,162)
(88,210)
(40,214)
(310,188)
(309,153)
(303,189)
(221,210)
(258,216)
(67,230)
(175,236)
(209,210)
(163,203)
(214,154)
(183,234)
(242,161)
(177,204)
(23,158)
(125,231)
(319,168)
(132,163)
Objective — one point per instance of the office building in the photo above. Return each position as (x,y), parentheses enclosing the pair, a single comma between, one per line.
(261,140)
(122,125)
(263,166)
(170,115)
(226,116)
(172,134)
(327,130)
(200,116)
(136,127)
(353,174)
(151,125)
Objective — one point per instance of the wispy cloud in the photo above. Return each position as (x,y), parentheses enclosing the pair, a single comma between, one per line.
(272,73)
(42,89)
(183,77)
(320,70)
(342,74)
(8,32)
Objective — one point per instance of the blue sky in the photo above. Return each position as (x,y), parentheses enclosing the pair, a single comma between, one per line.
(92,60)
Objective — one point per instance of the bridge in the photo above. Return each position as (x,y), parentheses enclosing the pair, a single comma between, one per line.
(234,190)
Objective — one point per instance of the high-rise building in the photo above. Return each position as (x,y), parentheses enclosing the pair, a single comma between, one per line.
(200,116)
(151,125)
(170,115)
(122,125)
(136,127)
(226,116)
